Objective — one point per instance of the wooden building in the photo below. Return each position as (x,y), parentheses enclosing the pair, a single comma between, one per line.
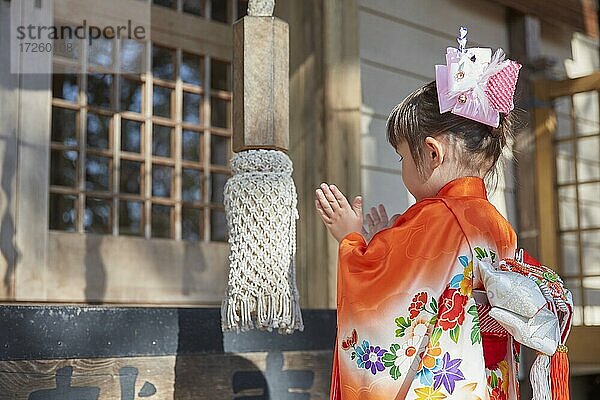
(113,245)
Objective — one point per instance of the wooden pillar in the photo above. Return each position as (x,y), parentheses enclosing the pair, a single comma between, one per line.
(9,123)
(524,47)
(534,144)
(342,101)
(29,245)
(324,128)
(306,138)
(545,124)
(524,42)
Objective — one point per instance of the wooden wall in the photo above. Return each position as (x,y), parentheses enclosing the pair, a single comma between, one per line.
(400,42)
(43,266)
(324,128)
(112,269)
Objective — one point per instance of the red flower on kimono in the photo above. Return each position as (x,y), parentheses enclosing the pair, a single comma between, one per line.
(417,304)
(350,340)
(452,309)
(498,394)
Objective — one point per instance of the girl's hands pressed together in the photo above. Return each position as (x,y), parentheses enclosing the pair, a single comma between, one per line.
(339,216)
(377,220)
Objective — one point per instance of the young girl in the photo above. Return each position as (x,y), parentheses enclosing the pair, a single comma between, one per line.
(409,325)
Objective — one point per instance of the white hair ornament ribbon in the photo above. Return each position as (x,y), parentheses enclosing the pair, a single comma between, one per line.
(476,85)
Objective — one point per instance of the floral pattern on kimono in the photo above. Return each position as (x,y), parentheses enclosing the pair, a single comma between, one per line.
(408,325)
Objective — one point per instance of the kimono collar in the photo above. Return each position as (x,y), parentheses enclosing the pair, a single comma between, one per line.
(465,186)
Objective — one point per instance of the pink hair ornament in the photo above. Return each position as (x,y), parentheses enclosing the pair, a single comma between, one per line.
(476,84)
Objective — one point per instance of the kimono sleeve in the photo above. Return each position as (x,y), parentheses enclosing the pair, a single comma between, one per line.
(355,255)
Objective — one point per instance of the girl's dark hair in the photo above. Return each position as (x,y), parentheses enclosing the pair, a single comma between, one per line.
(477,144)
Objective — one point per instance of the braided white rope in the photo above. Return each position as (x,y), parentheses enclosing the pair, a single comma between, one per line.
(260,204)
(540,378)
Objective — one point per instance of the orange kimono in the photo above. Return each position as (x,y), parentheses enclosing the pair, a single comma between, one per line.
(408,323)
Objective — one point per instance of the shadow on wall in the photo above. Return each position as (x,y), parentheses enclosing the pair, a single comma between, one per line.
(8,116)
(105,268)
(194,265)
(95,271)
(8,247)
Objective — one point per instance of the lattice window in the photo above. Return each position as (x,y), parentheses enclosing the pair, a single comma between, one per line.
(577,148)
(140,154)
(225,11)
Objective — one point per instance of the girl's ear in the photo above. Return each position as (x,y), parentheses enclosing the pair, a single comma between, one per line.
(434,152)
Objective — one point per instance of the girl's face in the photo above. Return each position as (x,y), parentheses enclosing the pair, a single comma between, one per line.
(410,175)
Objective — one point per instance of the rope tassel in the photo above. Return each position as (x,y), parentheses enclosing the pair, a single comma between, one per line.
(260,205)
(559,374)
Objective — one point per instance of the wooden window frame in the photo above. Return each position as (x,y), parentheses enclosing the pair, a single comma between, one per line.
(583,349)
(180,272)
(146,116)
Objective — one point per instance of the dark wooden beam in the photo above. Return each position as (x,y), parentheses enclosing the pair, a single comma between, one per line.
(122,353)
(569,12)
(48,332)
